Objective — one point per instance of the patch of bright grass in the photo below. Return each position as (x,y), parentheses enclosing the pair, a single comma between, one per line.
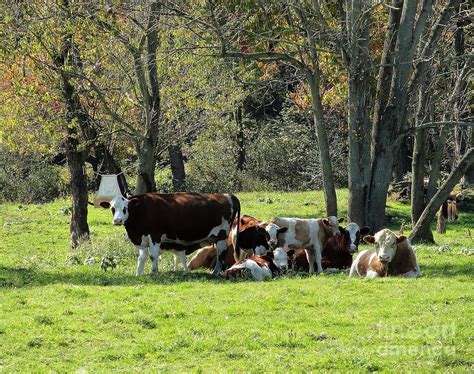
(56,316)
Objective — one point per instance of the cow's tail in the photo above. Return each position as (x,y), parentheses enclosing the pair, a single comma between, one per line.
(235,238)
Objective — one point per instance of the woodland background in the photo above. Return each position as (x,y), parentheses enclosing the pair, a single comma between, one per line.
(228,96)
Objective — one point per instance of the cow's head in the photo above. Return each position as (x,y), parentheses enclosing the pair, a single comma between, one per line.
(120,208)
(331,225)
(353,233)
(280,258)
(260,241)
(272,232)
(386,243)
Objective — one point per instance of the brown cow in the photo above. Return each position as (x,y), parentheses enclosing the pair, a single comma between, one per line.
(252,241)
(393,255)
(181,219)
(206,258)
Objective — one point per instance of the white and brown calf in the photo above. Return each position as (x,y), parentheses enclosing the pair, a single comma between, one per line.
(261,267)
(392,255)
(310,234)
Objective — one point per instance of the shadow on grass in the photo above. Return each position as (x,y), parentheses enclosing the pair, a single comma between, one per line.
(447,270)
(17,277)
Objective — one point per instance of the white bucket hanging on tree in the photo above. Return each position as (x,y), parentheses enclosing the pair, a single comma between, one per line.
(108,189)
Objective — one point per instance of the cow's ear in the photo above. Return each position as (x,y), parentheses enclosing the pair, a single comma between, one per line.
(364,231)
(325,222)
(105,205)
(369,239)
(290,253)
(282,230)
(401,238)
(342,230)
(340,219)
(133,202)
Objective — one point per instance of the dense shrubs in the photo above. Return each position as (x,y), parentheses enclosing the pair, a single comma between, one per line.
(30,179)
(281,154)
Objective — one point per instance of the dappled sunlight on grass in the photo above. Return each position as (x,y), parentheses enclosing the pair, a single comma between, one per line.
(58,314)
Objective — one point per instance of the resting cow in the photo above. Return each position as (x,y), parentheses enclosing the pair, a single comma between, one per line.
(310,234)
(178,220)
(261,267)
(392,255)
(252,241)
(206,258)
(338,251)
(253,238)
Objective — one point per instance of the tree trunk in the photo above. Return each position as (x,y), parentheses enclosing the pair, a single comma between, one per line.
(78,228)
(146,167)
(324,157)
(381,151)
(418,175)
(436,161)
(149,84)
(177,167)
(240,139)
(358,27)
(422,229)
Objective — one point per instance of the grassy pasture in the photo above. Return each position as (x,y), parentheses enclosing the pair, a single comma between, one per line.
(62,317)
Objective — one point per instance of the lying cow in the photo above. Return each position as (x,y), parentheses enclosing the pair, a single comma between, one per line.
(310,234)
(338,251)
(206,257)
(392,255)
(177,220)
(261,267)
(252,241)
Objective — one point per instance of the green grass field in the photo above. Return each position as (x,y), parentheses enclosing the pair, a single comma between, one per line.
(58,316)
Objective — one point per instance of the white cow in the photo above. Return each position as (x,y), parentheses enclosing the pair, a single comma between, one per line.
(310,234)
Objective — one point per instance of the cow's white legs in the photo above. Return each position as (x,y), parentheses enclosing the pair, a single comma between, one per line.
(353,272)
(182,255)
(154,255)
(143,254)
(310,257)
(317,253)
(221,246)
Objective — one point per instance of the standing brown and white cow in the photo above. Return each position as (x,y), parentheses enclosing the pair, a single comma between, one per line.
(310,234)
(182,219)
(392,255)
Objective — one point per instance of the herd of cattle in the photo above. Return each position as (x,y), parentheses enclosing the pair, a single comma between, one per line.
(225,240)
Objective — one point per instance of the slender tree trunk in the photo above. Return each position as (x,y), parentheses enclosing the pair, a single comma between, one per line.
(358,26)
(436,162)
(423,226)
(240,139)
(324,157)
(418,201)
(418,175)
(177,167)
(147,76)
(146,167)
(79,228)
